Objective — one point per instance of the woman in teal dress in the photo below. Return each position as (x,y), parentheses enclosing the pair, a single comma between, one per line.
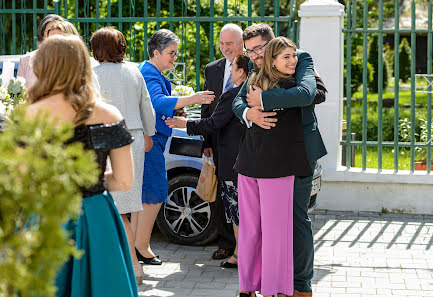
(63,90)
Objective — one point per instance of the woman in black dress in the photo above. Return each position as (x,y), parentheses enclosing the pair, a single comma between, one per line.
(63,90)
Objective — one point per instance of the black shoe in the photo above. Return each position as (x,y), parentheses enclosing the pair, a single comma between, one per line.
(227,264)
(245,294)
(149,261)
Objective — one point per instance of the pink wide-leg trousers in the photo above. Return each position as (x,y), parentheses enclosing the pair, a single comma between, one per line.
(265,247)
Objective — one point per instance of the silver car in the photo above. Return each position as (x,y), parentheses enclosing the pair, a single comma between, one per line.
(186,219)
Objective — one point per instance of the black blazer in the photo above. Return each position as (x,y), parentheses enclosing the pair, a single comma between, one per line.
(229,131)
(213,81)
(279,151)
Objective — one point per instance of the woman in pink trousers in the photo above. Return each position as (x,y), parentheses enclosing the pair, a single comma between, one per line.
(267,163)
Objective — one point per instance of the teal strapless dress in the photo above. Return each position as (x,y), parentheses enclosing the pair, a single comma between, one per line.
(105,268)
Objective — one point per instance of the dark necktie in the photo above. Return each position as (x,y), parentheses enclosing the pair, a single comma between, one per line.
(229,84)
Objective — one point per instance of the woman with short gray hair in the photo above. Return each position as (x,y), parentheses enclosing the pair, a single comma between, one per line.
(162,48)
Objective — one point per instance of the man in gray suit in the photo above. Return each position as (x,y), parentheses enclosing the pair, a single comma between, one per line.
(217,78)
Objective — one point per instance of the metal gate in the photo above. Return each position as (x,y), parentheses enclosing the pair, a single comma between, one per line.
(197,23)
(389,22)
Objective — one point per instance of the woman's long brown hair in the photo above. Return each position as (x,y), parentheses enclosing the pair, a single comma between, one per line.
(268,77)
(62,65)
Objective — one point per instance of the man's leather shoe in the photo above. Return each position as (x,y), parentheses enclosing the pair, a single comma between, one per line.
(222,253)
(302,294)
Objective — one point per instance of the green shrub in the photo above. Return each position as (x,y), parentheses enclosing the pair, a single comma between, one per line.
(372,122)
(40,182)
(373,58)
(356,74)
(389,57)
(404,53)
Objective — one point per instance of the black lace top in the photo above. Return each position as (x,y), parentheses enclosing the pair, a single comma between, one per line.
(101,138)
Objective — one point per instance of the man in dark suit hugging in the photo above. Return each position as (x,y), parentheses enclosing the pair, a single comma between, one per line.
(217,78)
(255,107)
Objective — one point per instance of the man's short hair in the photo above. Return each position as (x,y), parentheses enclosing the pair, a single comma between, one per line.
(232,28)
(261,29)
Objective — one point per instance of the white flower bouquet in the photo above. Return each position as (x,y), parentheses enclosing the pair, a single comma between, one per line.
(181,90)
(11,94)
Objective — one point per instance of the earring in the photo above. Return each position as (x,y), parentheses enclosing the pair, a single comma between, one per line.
(273,65)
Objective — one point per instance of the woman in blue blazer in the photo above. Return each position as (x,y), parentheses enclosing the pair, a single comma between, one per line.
(162,48)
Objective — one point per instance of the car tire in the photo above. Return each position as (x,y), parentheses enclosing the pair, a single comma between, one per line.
(186,218)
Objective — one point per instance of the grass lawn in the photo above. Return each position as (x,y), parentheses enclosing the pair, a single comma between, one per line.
(387,158)
(403,96)
(404,93)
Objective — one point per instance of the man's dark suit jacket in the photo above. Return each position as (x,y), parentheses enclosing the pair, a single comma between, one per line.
(213,81)
(229,130)
(300,96)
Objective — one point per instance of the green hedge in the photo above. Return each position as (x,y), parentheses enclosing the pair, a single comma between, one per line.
(387,122)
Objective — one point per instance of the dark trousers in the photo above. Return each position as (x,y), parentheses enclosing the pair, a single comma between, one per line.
(226,237)
(303,245)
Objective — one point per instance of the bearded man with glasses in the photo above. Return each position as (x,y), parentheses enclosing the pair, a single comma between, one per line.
(256,106)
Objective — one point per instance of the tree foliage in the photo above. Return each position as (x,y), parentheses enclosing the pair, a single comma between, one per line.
(137,33)
(40,180)
(373,58)
(404,53)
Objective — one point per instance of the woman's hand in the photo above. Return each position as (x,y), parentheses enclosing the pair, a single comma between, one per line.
(203,97)
(254,96)
(148,143)
(176,122)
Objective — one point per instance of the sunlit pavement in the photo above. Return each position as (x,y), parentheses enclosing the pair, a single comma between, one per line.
(357,254)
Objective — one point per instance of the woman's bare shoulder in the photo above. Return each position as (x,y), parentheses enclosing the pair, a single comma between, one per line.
(105,113)
(54,107)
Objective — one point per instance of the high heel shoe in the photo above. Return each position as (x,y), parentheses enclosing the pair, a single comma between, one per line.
(149,261)
(139,274)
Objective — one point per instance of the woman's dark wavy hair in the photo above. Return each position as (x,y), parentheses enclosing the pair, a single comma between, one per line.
(108,45)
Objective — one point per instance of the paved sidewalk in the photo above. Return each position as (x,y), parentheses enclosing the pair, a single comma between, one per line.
(357,254)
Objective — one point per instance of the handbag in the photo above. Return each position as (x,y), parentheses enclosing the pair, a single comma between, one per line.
(207,183)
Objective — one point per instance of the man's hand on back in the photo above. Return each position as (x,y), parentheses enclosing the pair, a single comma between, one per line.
(261,119)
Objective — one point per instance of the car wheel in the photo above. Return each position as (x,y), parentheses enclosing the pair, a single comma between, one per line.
(186,218)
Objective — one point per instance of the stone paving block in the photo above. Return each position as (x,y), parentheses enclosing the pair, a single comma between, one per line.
(357,254)
(212,292)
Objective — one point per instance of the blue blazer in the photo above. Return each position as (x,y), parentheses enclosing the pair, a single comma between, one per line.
(159,88)
(300,96)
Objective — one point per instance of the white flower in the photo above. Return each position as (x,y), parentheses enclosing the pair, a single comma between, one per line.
(2,108)
(4,95)
(22,80)
(182,91)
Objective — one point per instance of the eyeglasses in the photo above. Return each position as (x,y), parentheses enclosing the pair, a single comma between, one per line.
(173,54)
(258,50)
